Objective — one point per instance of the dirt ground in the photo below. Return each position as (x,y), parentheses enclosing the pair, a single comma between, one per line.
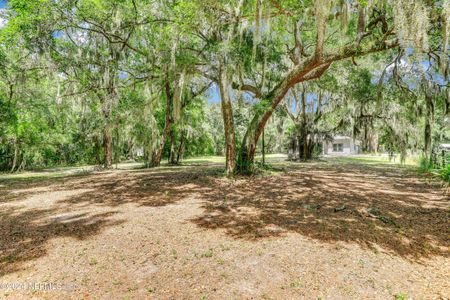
(323,230)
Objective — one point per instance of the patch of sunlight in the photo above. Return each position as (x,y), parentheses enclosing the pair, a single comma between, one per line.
(203,160)
(31,175)
(375,159)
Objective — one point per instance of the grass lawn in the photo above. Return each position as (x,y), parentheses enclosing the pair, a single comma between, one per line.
(380,159)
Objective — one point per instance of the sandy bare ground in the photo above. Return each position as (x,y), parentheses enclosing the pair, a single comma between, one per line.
(334,231)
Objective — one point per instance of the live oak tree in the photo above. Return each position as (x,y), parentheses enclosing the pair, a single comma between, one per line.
(323,32)
(372,31)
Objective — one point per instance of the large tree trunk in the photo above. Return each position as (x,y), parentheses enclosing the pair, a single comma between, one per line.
(373,140)
(228,121)
(157,154)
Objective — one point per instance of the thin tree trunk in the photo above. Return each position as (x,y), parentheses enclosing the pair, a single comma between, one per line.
(429,118)
(109,100)
(228,121)
(16,154)
(304,124)
(107,145)
(263,149)
(181,148)
(366,142)
(98,148)
(22,165)
(117,151)
(299,146)
(130,152)
(427,140)
(172,154)
(107,131)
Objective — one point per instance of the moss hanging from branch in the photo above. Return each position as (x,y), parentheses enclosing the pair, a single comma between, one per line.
(411,20)
(344,15)
(173,50)
(257,31)
(178,96)
(322,10)
(361,22)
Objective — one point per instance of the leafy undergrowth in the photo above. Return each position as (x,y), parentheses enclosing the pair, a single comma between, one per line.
(445,174)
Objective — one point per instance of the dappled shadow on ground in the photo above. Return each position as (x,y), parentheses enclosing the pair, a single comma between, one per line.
(23,234)
(12,189)
(145,187)
(376,207)
(32,212)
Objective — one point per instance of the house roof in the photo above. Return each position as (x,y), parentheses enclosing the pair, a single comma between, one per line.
(343,137)
(346,138)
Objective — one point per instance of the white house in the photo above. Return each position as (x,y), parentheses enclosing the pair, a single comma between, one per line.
(341,145)
(139,152)
(444,147)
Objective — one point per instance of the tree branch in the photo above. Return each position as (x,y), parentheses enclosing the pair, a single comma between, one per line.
(247,88)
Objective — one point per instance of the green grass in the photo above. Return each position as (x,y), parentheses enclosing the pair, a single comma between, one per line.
(374,160)
(202,160)
(221,159)
(274,163)
(445,174)
(30,177)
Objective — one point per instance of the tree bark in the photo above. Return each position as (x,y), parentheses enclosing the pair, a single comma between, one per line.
(228,121)
(108,100)
(365,138)
(16,154)
(263,149)
(172,154)
(157,154)
(428,127)
(107,130)
(304,126)
(181,148)
(107,145)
